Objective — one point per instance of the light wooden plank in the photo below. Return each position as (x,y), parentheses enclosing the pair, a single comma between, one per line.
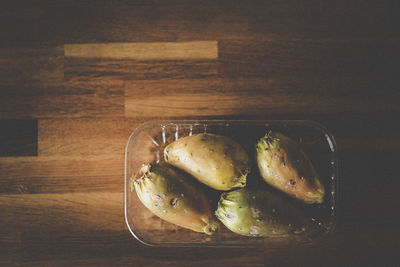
(85,137)
(28,175)
(73,211)
(216,98)
(145,50)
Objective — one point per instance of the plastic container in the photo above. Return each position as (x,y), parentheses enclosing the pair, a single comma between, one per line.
(146,145)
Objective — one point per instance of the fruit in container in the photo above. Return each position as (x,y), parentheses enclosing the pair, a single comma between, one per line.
(255,212)
(170,195)
(215,160)
(285,166)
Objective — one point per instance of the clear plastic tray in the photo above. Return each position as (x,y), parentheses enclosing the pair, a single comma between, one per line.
(146,145)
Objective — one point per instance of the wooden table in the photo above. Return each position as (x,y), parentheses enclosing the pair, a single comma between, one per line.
(76,77)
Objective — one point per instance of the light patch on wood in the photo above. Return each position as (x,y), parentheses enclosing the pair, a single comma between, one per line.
(61,174)
(72,211)
(145,50)
(84,137)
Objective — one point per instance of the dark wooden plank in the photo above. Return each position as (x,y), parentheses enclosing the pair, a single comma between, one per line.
(18,138)
(324,58)
(71,21)
(61,106)
(367,189)
(21,65)
(355,246)
(119,248)
(351,246)
(104,69)
(10,244)
(148,261)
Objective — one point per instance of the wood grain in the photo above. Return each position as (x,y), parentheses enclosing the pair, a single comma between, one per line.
(116,248)
(31,63)
(287,77)
(351,245)
(145,51)
(34,87)
(309,57)
(61,174)
(57,106)
(10,244)
(18,138)
(73,211)
(108,70)
(216,97)
(141,21)
(84,137)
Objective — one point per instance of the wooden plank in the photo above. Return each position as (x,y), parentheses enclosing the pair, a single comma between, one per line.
(61,106)
(10,244)
(20,65)
(85,137)
(222,260)
(120,70)
(73,211)
(145,50)
(119,248)
(27,175)
(116,249)
(353,246)
(18,138)
(365,58)
(365,194)
(33,86)
(121,21)
(216,98)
